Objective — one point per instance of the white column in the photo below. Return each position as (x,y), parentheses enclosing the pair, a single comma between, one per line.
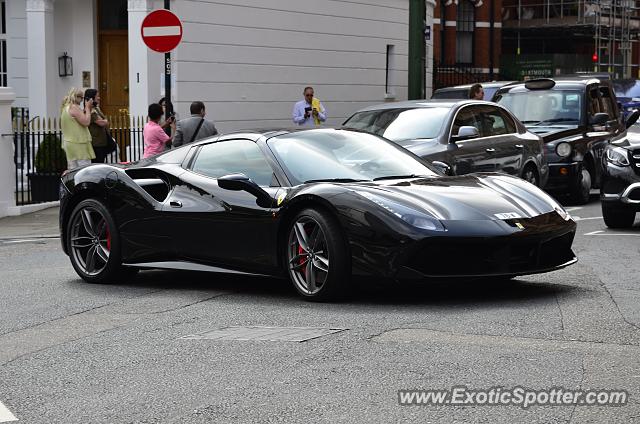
(145,66)
(7,167)
(42,59)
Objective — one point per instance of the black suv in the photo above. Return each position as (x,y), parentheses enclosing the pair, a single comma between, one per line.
(620,189)
(577,118)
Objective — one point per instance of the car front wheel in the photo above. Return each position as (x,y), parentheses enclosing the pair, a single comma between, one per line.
(531,175)
(582,189)
(94,244)
(317,256)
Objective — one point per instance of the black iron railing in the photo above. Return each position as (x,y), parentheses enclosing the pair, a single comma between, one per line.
(40,159)
(455,74)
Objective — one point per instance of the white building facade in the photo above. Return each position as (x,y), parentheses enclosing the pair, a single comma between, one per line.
(247,60)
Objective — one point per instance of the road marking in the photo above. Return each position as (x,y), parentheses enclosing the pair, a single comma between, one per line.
(6,415)
(602,233)
(577,218)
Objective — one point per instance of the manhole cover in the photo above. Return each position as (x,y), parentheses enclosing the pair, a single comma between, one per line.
(273,334)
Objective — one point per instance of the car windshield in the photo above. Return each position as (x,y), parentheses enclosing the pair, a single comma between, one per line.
(343,156)
(400,125)
(545,107)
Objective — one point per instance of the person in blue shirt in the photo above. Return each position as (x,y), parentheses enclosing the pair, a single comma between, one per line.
(309,112)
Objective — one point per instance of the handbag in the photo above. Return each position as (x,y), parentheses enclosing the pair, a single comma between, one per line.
(111,143)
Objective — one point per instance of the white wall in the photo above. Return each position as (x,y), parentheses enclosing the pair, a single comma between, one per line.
(249,61)
(17,62)
(75,33)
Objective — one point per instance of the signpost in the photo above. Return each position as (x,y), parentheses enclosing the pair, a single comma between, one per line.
(162,32)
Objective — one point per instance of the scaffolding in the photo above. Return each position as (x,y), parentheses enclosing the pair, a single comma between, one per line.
(614,36)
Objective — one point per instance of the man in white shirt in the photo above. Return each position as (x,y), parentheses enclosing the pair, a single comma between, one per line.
(309,112)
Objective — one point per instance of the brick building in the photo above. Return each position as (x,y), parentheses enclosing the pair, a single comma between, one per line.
(467,41)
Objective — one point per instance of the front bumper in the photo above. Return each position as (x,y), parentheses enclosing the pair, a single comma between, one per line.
(620,185)
(542,245)
(563,176)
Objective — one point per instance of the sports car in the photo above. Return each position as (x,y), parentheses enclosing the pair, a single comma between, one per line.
(316,206)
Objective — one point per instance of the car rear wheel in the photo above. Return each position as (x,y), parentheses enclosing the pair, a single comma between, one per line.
(317,256)
(530,174)
(582,189)
(617,216)
(94,244)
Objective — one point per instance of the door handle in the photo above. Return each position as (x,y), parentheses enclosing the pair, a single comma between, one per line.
(175,204)
(518,146)
(491,150)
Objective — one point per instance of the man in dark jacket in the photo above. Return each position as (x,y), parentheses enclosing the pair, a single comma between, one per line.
(195,127)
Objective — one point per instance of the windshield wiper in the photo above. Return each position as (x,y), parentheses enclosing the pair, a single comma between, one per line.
(335,180)
(397,177)
(530,122)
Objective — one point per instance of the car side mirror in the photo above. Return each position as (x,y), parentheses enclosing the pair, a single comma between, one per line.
(599,119)
(442,167)
(240,182)
(631,119)
(465,133)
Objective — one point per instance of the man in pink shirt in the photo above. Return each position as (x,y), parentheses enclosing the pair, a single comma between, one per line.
(155,139)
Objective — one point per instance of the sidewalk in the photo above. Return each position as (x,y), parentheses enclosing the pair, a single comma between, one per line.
(42,223)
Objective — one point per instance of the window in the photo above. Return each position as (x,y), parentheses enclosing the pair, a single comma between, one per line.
(494,121)
(546,107)
(389,75)
(465,118)
(234,157)
(3,44)
(465,22)
(607,102)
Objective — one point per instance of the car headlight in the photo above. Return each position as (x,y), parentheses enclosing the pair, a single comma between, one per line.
(410,216)
(563,149)
(618,156)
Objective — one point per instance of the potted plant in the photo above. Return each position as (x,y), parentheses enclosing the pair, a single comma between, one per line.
(50,162)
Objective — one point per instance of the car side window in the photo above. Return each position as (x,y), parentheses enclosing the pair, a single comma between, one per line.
(495,122)
(594,103)
(466,117)
(607,102)
(234,157)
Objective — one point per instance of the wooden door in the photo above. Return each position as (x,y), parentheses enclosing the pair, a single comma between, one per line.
(114,73)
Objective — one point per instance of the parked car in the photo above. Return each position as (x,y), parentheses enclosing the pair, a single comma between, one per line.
(620,190)
(315,206)
(462,91)
(628,95)
(466,136)
(577,118)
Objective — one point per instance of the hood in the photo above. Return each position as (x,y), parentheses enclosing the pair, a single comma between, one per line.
(554,132)
(468,197)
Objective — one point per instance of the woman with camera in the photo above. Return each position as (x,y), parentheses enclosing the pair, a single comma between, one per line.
(75,121)
(101,141)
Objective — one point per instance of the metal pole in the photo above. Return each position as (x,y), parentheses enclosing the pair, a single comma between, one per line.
(167,75)
(416,49)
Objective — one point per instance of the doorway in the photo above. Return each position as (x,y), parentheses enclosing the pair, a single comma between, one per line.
(113,57)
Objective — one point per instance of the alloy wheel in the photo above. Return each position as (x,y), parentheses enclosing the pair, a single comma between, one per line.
(530,176)
(307,255)
(90,241)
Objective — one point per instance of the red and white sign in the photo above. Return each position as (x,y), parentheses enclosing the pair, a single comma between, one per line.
(161,31)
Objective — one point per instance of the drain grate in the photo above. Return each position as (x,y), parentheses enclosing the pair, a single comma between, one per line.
(272,334)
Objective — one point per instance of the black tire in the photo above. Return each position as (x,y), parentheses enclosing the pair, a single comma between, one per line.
(580,193)
(618,216)
(530,174)
(317,257)
(95,252)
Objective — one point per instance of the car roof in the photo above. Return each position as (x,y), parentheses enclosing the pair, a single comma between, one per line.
(415,104)
(488,84)
(560,82)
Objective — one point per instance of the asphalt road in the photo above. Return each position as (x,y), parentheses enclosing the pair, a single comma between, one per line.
(71,352)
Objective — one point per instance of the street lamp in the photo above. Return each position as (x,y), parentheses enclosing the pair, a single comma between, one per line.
(65,65)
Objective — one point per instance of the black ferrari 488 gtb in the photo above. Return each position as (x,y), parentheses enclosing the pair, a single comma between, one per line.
(317,206)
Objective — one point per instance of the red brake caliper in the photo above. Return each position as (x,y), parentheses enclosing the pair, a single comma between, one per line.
(108,238)
(300,252)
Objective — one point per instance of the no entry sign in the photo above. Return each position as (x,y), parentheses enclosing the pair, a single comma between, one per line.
(161,31)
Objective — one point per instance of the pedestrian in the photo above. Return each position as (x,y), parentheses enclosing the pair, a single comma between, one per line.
(309,112)
(165,122)
(476,92)
(195,127)
(75,120)
(98,127)
(155,139)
